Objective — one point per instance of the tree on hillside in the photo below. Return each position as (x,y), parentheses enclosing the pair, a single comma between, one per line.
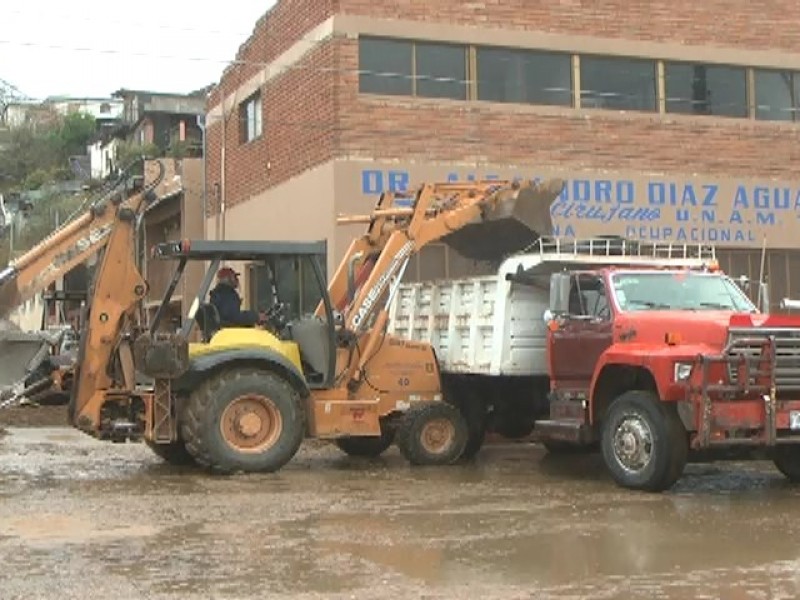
(35,156)
(75,133)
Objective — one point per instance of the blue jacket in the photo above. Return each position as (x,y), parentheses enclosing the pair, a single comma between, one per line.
(228,304)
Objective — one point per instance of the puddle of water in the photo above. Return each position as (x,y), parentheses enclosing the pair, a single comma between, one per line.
(513,522)
(66,529)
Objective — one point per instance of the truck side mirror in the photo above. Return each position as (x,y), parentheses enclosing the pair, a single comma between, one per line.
(559,293)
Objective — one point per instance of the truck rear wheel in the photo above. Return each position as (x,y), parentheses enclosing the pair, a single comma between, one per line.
(432,433)
(644,444)
(787,460)
(370,447)
(244,419)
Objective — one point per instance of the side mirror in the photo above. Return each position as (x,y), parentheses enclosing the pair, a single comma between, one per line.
(559,293)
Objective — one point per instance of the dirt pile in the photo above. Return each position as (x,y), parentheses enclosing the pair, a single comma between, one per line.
(33,416)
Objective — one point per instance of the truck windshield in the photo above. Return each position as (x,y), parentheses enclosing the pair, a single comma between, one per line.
(679,291)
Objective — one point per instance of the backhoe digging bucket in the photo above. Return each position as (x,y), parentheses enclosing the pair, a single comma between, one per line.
(514,224)
(19,353)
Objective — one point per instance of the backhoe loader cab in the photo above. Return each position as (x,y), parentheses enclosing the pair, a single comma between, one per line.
(304,344)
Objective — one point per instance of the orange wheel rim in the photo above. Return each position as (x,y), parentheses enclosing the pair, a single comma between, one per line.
(437,436)
(251,424)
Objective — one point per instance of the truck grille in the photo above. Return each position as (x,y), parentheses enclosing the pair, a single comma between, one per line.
(787,342)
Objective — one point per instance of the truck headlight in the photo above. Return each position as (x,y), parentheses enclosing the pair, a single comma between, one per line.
(682,371)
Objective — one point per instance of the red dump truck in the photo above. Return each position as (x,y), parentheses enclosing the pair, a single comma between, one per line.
(648,352)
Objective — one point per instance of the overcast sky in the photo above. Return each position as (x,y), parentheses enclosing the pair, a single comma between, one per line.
(92,48)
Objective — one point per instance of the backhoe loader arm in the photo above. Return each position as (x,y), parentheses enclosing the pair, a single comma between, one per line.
(484,220)
(64,249)
(110,225)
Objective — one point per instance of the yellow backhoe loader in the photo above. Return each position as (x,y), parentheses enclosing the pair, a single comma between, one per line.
(243,399)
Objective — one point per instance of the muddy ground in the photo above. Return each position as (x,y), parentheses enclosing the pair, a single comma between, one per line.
(33,416)
(84,519)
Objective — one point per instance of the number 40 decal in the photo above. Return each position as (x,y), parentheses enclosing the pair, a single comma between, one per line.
(403,382)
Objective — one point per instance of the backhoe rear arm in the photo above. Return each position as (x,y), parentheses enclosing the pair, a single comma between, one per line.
(63,250)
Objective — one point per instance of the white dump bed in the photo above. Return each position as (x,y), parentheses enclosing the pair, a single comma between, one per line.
(476,325)
(492,326)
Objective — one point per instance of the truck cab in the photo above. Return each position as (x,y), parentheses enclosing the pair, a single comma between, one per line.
(653,362)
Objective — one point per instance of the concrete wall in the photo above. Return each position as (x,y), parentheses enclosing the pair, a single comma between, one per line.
(298,210)
(180,216)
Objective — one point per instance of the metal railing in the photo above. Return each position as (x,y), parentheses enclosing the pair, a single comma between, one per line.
(608,246)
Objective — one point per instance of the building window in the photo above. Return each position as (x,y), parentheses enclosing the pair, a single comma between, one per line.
(524,77)
(386,66)
(441,71)
(405,68)
(705,89)
(618,83)
(777,95)
(250,116)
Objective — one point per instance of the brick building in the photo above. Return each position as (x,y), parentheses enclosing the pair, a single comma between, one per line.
(670,120)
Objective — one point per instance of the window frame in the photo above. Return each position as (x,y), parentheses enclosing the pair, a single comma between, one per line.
(585,94)
(794,93)
(526,54)
(362,77)
(661,105)
(710,65)
(253,100)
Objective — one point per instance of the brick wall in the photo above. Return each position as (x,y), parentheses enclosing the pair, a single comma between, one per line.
(313,111)
(471,132)
(283,25)
(298,131)
(757,25)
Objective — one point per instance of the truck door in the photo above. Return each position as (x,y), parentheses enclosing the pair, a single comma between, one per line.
(585,333)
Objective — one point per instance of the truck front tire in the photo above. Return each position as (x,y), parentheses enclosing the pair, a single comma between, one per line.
(643,442)
(787,460)
(243,419)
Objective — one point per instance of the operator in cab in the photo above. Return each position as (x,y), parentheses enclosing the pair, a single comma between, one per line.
(228,303)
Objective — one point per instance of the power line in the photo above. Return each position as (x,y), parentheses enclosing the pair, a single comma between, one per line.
(60,17)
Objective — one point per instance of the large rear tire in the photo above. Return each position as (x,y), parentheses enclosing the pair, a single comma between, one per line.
(244,419)
(432,433)
(644,443)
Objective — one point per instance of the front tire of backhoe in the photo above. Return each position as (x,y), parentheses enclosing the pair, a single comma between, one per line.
(432,434)
(244,419)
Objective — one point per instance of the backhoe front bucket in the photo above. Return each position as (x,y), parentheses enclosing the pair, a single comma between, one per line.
(512,226)
(19,352)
